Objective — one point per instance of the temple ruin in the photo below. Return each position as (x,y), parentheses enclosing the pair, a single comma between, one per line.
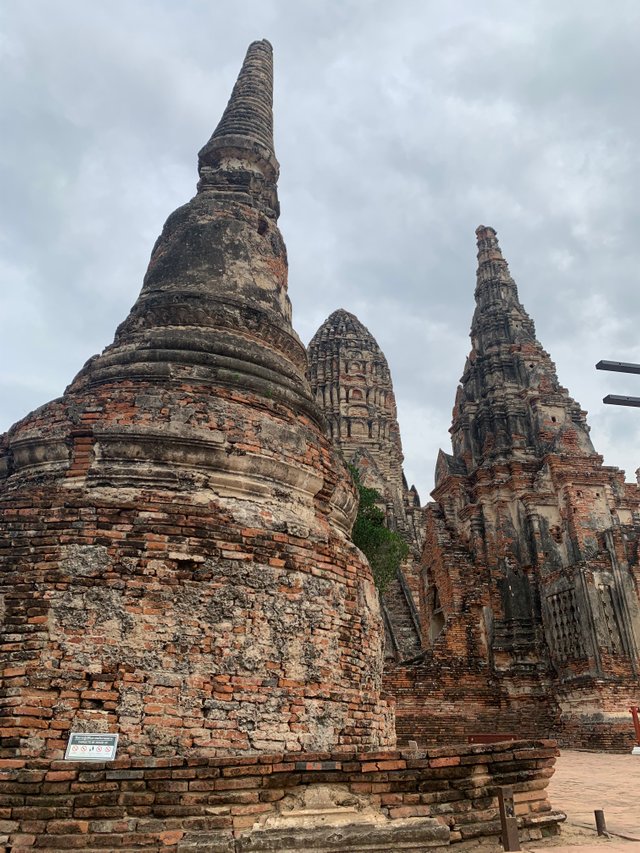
(180,511)
(176,568)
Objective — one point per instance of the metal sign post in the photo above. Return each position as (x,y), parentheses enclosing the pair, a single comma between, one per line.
(620,367)
(619,400)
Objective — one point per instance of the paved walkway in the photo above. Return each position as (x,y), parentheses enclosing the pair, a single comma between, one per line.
(585,781)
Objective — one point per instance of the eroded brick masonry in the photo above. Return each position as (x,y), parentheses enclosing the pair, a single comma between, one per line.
(426,798)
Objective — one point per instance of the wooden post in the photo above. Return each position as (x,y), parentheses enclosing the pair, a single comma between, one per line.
(508,819)
(601,826)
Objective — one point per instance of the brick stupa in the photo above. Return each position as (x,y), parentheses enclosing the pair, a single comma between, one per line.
(176,561)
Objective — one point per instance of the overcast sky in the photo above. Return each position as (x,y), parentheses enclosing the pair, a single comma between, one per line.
(400,127)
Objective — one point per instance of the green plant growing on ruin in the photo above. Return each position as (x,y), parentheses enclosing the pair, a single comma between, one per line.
(384,549)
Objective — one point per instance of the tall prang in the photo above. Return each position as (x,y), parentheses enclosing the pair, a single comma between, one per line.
(530,588)
(351,381)
(176,564)
(510,405)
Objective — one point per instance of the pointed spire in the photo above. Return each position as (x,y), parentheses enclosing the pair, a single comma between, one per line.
(249,111)
(496,292)
(242,143)
(491,263)
(499,314)
(508,378)
(487,238)
(214,299)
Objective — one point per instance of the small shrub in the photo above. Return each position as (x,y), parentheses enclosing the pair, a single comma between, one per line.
(384,549)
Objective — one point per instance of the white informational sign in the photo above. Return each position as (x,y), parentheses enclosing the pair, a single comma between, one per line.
(84,746)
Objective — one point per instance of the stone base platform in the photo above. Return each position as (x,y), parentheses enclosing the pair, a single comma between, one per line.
(393,800)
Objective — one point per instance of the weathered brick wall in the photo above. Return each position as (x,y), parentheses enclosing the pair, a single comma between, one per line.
(444,699)
(176,621)
(171,803)
(598,718)
(452,691)
(447,700)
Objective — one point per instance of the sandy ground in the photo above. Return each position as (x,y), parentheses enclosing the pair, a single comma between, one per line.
(583,782)
(573,838)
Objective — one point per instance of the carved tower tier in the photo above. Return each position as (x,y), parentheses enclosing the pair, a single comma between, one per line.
(352,384)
